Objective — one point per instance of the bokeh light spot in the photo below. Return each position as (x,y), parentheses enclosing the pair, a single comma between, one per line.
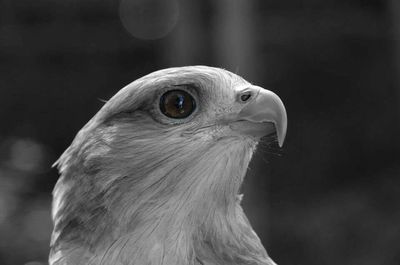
(149,19)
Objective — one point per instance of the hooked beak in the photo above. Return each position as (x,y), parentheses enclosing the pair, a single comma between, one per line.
(263,115)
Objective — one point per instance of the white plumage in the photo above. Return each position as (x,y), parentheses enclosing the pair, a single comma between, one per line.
(142,185)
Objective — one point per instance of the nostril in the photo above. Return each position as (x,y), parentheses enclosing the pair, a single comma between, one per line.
(245,96)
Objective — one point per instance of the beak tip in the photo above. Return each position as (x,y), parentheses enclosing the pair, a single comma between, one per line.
(281,131)
(281,139)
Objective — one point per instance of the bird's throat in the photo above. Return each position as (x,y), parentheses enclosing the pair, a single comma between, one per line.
(178,214)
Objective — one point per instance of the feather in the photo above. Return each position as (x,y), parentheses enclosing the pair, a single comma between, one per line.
(137,187)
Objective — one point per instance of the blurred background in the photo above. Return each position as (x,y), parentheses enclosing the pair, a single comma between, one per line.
(330,196)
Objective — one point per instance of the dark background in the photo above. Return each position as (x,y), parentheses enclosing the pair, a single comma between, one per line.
(330,196)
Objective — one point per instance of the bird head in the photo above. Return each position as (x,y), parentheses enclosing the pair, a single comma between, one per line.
(171,147)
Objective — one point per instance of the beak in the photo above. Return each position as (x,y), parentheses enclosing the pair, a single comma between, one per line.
(262,115)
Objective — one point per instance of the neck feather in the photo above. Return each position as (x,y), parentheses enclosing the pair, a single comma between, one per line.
(182,213)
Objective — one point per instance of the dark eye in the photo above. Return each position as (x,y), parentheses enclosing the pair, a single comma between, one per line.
(177,104)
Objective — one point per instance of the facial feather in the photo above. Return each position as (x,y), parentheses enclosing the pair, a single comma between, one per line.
(139,188)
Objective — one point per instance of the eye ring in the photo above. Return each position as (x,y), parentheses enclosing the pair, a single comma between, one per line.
(177,104)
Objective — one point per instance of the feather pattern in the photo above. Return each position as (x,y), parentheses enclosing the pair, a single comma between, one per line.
(135,189)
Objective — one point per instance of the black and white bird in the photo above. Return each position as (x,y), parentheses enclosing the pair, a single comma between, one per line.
(153,177)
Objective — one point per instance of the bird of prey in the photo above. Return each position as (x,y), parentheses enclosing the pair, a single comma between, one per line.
(153,178)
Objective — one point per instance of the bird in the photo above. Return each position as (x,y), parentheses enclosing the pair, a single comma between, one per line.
(154,177)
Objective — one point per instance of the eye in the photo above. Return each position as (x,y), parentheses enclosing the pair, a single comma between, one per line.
(177,104)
